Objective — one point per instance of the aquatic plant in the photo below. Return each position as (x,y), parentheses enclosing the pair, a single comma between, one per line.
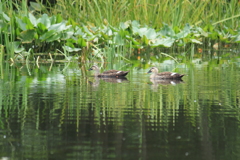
(29,34)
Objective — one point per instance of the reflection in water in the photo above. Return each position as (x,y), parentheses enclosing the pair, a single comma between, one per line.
(96,81)
(43,117)
(156,82)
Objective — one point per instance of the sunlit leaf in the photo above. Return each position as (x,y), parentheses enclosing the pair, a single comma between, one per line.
(59,27)
(6,17)
(44,20)
(32,19)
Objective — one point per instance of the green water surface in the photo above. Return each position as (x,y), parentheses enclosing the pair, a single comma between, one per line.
(61,112)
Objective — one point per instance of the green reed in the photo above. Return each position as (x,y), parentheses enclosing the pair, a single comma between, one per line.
(151,12)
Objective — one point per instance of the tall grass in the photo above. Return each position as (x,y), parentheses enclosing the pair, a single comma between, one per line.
(152,12)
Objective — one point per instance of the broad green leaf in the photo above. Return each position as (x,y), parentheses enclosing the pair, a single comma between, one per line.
(71,43)
(16,47)
(142,31)
(80,32)
(54,37)
(118,40)
(41,28)
(184,33)
(47,35)
(81,42)
(59,27)
(44,20)
(145,40)
(27,36)
(32,19)
(36,6)
(135,24)
(58,18)
(151,34)
(66,35)
(167,31)
(21,24)
(123,25)
(53,20)
(166,42)
(237,38)
(6,17)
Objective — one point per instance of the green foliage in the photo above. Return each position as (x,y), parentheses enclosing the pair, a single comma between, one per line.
(92,25)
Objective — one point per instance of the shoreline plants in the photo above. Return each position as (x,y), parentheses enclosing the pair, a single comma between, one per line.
(89,29)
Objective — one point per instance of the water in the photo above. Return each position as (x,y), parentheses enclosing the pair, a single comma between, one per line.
(55,112)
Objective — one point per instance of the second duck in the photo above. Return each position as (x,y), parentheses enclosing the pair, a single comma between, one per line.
(164,75)
(109,73)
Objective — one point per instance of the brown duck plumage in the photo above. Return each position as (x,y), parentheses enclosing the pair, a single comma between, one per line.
(164,75)
(109,73)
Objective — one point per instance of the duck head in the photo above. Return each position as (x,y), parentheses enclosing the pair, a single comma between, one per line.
(153,69)
(94,67)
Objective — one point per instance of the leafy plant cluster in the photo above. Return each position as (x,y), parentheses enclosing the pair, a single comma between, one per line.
(53,34)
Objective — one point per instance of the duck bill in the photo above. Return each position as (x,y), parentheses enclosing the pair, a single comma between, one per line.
(90,69)
(149,71)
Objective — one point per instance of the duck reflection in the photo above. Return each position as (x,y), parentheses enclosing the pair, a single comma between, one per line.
(96,81)
(174,82)
(156,82)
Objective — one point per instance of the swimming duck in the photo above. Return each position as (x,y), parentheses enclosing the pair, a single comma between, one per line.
(164,75)
(109,73)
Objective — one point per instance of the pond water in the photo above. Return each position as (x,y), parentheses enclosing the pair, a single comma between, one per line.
(59,111)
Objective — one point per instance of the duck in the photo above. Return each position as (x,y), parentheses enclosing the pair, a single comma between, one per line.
(164,75)
(109,73)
